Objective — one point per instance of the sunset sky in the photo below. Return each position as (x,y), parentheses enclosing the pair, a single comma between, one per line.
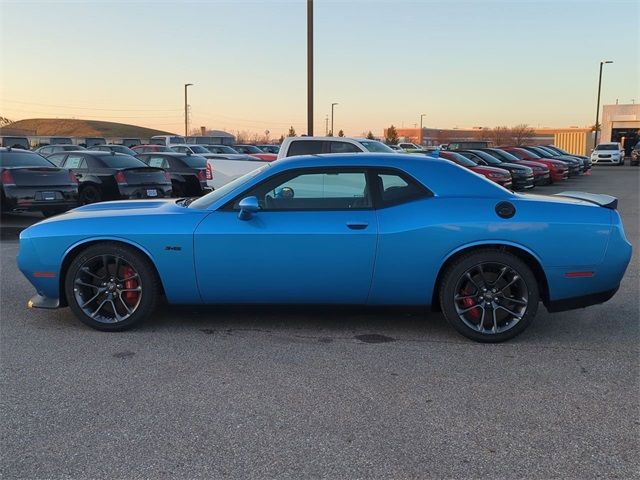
(473,63)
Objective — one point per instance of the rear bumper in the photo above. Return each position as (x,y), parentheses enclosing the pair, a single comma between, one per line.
(134,192)
(34,199)
(39,301)
(580,302)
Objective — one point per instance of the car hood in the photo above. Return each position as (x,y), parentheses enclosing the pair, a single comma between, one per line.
(483,169)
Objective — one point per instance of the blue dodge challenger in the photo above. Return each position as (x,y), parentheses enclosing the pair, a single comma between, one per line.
(368,229)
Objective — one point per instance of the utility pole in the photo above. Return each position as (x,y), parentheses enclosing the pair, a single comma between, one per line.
(186,110)
(310,67)
(332,105)
(422,115)
(597,127)
(326,126)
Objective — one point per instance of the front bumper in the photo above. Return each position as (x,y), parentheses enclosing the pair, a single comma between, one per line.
(544,179)
(523,183)
(559,176)
(581,301)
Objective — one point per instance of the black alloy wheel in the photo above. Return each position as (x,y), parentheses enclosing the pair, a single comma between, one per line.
(489,295)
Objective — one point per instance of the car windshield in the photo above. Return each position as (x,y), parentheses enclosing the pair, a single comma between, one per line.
(527,153)
(198,149)
(491,160)
(375,146)
(122,161)
(15,159)
(250,149)
(209,199)
(221,149)
(504,155)
(194,161)
(607,146)
(548,151)
(459,159)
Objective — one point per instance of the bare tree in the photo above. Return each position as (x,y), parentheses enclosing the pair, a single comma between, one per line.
(391,136)
(502,136)
(522,134)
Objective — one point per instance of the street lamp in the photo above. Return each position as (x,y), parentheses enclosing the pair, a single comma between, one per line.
(595,137)
(186,110)
(422,115)
(310,68)
(332,105)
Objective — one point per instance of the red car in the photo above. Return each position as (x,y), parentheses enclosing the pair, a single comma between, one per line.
(151,148)
(255,152)
(498,175)
(558,170)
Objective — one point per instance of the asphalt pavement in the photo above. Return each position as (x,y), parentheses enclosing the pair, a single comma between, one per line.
(331,393)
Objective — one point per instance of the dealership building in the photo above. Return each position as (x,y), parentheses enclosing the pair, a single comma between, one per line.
(620,123)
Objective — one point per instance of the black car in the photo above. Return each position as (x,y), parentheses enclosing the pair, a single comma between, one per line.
(521,175)
(188,173)
(113,148)
(31,183)
(221,149)
(635,154)
(573,164)
(49,149)
(541,174)
(115,176)
(584,163)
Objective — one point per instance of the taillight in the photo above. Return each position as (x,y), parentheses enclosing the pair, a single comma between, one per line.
(7,178)
(202,175)
(167,176)
(209,172)
(120,178)
(72,177)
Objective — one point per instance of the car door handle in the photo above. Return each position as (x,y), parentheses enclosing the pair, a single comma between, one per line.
(357,225)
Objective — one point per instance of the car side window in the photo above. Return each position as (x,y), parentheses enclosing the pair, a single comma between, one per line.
(305,147)
(57,159)
(395,190)
(329,190)
(75,162)
(343,147)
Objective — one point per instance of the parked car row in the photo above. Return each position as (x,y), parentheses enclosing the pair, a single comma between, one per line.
(113,172)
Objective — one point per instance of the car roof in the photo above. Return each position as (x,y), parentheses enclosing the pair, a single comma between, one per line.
(170,154)
(21,150)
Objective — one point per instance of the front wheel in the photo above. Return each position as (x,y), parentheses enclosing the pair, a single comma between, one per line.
(111,287)
(489,295)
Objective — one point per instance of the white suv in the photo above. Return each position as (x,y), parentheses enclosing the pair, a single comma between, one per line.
(611,152)
(293,146)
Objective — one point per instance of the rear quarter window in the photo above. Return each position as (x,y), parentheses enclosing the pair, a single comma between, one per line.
(305,147)
(15,159)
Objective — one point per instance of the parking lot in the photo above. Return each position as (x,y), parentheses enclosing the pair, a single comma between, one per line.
(336,393)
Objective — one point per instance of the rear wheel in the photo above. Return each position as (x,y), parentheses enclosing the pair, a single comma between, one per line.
(111,287)
(178,190)
(90,194)
(51,213)
(489,295)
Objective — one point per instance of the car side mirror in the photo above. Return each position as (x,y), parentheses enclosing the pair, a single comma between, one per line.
(248,206)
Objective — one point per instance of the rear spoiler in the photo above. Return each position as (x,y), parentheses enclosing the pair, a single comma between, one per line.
(606,201)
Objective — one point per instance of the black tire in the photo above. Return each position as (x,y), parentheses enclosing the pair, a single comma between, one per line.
(147,280)
(455,274)
(90,194)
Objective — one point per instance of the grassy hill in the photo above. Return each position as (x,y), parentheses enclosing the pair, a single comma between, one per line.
(80,128)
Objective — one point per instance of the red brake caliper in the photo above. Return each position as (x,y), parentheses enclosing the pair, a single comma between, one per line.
(131,283)
(468,302)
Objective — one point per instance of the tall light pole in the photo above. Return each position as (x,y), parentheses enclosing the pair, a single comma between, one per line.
(422,115)
(332,105)
(186,110)
(310,67)
(595,137)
